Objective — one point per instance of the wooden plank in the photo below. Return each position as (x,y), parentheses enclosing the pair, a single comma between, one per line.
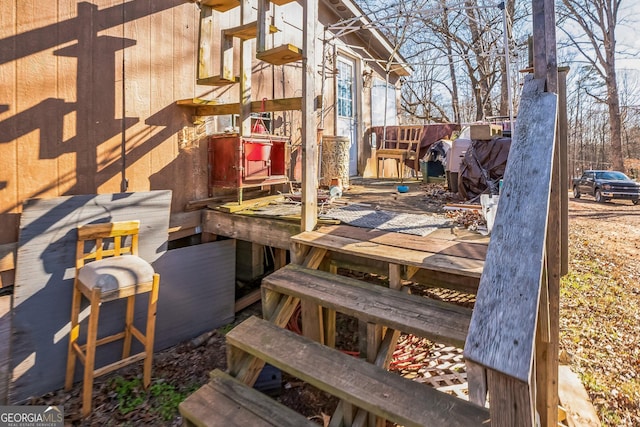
(574,398)
(502,331)
(421,259)
(284,104)
(408,241)
(221,5)
(247,31)
(233,207)
(477,383)
(215,81)
(437,320)
(564,179)
(182,224)
(8,256)
(268,232)
(511,401)
(247,300)
(281,55)
(365,385)
(225,401)
(309,125)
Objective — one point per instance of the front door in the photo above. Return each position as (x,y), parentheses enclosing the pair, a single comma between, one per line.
(346,108)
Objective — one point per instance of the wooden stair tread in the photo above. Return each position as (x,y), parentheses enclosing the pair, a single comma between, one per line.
(247,31)
(436,320)
(281,2)
(216,81)
(417,258)
(226,402)
(221,5)
(281,55)
(363,384)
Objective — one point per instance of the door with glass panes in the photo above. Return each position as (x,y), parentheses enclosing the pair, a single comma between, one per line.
(346,109)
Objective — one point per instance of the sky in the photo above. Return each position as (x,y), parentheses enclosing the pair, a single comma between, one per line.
(628,33)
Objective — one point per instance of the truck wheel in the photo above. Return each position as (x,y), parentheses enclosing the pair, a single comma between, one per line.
(599,197)
(576,192)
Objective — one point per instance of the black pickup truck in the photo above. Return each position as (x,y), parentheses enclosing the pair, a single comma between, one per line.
(606,185)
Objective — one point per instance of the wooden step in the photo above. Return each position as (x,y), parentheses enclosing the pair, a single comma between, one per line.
(423,259)
(281,2)
(439,321)
(247,31)
(221,5)
(226,402)
(363,384)
(216,81)
(281,55)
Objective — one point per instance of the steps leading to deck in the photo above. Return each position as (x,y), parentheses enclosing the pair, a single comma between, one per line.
(363,384)
(436,320)
(367,386)
(226,402)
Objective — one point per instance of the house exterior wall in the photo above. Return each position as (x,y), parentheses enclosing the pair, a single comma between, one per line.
(84,82)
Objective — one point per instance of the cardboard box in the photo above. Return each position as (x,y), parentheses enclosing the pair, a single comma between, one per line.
(485,131)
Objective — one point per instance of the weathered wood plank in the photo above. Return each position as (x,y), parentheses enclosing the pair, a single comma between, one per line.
(365,385)
(502,331)
(8,256)
(575,400)
(309,123)
(268,232)
(421,259)
(233,207)
(511,401)
(407,241)
(225,401)
(423,317)
(211,108)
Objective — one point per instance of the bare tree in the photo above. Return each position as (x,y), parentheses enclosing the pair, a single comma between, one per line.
(594,37)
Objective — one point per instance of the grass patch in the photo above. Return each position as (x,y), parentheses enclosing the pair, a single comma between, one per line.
(162,398)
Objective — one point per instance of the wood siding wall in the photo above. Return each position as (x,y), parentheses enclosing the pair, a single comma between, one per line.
(79,79)
(82,82)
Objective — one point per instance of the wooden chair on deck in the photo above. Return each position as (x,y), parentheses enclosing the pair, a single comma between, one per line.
(108,268)
(406,146)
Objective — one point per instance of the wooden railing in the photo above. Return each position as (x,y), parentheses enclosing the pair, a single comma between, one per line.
(512,346)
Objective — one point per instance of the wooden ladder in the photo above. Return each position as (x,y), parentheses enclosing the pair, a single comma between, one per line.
(366,388)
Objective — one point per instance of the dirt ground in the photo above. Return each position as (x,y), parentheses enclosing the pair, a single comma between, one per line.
(600,320)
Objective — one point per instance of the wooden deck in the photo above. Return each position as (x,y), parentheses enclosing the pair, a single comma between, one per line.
(448,257)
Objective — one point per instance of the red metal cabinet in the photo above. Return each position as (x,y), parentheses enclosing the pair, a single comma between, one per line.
(243,162)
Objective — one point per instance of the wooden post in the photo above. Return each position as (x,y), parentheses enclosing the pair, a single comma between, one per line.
(309,143)
(246,58)
(564,170)
(539,40)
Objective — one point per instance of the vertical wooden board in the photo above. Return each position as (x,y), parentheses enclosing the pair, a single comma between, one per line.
(45,271)
(197,291)
(8,126)
(178,159)
(137,94)
(161,101)
(106,79)
(38,127)
(67,111)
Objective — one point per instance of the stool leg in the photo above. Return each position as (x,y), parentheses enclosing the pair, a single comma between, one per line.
(92,336)
(151,330)
(126,349)
(73,337)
